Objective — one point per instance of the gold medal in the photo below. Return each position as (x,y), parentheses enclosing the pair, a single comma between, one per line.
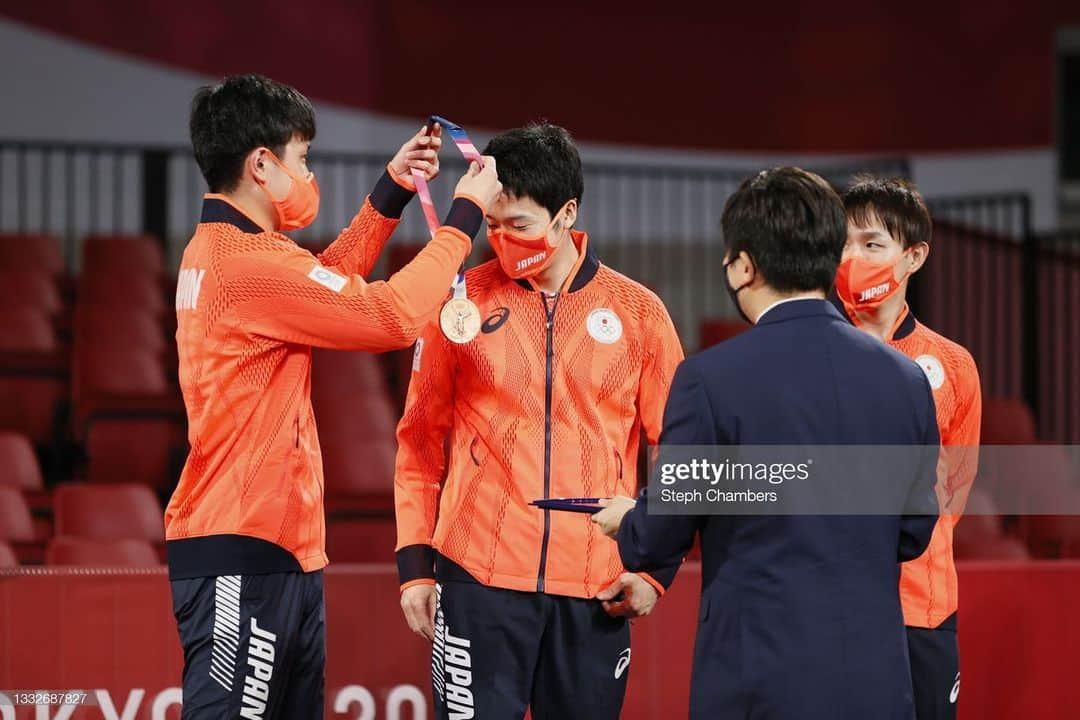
(460,320)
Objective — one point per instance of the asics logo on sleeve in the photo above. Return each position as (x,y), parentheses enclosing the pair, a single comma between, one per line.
(955,690)
(623,663)
(495,320)
(418,354)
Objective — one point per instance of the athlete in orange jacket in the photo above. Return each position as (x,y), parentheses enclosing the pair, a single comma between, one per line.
(245,526)
(889,232)
(544,397)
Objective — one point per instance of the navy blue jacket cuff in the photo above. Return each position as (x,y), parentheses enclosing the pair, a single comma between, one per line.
(415,562)
(389,198)
(466,216)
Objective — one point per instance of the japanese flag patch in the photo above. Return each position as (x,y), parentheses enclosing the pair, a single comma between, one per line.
(604,326)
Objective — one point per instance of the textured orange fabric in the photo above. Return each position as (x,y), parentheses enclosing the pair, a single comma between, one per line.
(928,586)
(249,307)
(475,415)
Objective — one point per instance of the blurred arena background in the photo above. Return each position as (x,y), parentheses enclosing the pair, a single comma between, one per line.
(978,103)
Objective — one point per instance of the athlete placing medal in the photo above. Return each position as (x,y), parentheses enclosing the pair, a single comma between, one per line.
(460,318)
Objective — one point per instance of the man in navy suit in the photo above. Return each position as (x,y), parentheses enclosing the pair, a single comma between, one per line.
(800,614)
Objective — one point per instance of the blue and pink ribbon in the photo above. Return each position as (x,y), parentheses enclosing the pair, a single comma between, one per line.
(469,151)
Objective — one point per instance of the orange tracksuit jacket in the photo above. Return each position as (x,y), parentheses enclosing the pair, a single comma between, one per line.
(547,401)
(250,303)
(928,586)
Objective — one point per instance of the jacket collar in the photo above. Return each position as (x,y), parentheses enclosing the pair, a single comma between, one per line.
(584,271)
(219,209)
(903,328)
(804,307)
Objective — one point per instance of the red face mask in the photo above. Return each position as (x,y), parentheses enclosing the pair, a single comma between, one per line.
(300,206)
(524,257)
(863,285)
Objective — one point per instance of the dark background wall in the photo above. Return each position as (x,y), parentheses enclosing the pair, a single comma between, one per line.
(844,76)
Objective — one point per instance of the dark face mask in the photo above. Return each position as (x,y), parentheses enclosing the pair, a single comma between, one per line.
(733,293)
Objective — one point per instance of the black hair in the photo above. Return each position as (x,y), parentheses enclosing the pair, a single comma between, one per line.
(541,162)
(240,114)
(893,201)
(791,223)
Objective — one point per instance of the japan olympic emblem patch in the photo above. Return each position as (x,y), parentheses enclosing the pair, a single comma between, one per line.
(935,373)
(604,326)
(327,278)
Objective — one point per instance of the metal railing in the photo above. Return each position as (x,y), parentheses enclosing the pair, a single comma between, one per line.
(975,287)
(658,224)
(1056,295)
(991,284)
(1008,296)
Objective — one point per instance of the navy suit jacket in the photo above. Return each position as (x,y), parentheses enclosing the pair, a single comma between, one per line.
(800,615)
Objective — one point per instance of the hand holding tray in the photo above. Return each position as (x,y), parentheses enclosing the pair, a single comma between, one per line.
(578,505)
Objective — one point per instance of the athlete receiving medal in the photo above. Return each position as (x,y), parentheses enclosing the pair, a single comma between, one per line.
(539,380)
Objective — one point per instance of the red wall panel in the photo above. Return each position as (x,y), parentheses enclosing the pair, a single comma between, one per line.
(89,630)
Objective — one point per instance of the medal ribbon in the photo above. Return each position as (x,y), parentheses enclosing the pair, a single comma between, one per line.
(468,150)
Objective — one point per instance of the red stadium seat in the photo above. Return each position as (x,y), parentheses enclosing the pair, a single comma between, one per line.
(8,558)
(19,469)
(138,253)
(30,398)
(1033,479)
(16,525)
(1002,548)
(126,388)
(1051,536)
(32,252)
(144,291)
(113,369)
(108,512)
(30,289)
(356,422)
(119,326)
(981,521)
(24,328)
(101,553)
(336,367)
(359,478)
(399,363)
(18,464)
(1007,421)
(113,457)
(1047,483)
(361,541)
(717,330)
(1039,483)
(33,371)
